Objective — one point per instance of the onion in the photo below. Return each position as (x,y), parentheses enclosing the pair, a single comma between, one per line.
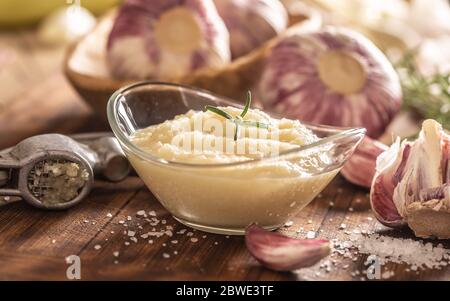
(335,77)
(166,38)
(251,22)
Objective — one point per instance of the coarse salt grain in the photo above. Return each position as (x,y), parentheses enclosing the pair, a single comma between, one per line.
(116,254)
(311,234)
(288,223)
(194,239)
(109,215)
(166,255)
(140,213)
(97,247)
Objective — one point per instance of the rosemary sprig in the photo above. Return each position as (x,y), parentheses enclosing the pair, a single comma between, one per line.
(427,95)
(238,120)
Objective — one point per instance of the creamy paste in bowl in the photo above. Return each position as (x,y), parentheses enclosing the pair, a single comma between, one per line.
(211,181)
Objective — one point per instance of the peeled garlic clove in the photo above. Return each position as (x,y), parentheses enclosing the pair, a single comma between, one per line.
(251,22)
(414,178)
(334,76)
(282,253)
(360,168)
(166,39)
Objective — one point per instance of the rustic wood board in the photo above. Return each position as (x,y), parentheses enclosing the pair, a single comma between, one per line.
(34,243)
(36,98)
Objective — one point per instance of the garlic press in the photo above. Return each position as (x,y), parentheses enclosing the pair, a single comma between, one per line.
(54,171)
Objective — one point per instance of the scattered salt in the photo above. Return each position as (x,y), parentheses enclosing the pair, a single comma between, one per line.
(311,234)
(288,223)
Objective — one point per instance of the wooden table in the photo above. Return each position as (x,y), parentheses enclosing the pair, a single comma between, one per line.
(34,243)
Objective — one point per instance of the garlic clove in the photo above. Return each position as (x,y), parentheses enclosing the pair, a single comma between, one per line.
(360,168)
(382,204)
(388,164)
(282,253)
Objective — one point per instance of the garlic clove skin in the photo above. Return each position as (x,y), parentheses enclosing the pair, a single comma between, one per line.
(383,186)
(281,253)
(360,168)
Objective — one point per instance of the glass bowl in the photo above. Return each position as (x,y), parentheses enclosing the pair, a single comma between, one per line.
(223,198)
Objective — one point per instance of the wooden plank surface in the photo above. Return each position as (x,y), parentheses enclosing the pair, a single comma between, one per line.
(35,243)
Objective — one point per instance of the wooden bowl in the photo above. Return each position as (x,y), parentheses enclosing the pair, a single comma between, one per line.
(86,69)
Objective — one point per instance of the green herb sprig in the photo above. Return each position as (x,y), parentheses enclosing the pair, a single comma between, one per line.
(427,95)
(238,120)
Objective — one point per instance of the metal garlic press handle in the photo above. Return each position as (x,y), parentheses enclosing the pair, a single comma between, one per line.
(108,159)
(24,167)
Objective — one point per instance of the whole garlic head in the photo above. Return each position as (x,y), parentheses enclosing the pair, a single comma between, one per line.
(251,22)
(412,183)
(166,39)
(334,76)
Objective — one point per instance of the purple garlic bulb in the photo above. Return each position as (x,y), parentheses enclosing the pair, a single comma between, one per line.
(335,77)
(166,39)
(251,22)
